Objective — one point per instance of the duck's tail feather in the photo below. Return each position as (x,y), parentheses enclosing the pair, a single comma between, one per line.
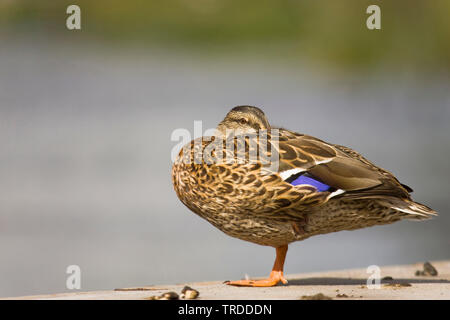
(415,210)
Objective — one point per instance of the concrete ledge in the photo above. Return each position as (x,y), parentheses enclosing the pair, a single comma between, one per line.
(339,285)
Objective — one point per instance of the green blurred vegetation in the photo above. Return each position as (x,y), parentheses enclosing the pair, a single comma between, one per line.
(415,33)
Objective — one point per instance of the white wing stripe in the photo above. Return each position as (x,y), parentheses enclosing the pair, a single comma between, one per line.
(289,173)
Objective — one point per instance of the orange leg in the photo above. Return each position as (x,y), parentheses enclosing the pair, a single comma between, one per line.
(275,276)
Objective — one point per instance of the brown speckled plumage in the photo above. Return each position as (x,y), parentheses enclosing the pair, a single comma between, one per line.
(252,203)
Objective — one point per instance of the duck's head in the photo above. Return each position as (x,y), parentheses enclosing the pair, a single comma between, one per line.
(245,119)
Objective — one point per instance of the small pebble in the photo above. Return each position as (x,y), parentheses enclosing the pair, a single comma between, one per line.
(189,293)
(341,295)
(428,270)
(388,278)
(318,296)
(169,296)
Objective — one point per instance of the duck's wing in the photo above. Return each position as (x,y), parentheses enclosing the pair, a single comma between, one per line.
(336,170)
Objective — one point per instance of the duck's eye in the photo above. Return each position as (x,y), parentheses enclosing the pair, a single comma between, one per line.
(243,121)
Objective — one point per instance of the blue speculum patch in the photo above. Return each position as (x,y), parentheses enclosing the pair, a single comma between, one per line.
(303,179)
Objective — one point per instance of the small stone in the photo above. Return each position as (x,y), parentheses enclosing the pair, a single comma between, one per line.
(169,296)
(388,278)
(428,269)
(341,295)
(189,293)
(318,296)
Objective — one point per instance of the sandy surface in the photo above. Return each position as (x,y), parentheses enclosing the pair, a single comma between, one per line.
(339,285)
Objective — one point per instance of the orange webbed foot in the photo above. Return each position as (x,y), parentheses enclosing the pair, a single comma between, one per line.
(274,278)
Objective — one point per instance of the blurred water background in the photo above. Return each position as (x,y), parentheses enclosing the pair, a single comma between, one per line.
(86,118)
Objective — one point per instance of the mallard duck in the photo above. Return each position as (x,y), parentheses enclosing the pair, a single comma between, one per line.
(316,188)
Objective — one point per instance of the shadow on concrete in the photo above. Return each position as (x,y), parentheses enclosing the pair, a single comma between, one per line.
(324,281)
